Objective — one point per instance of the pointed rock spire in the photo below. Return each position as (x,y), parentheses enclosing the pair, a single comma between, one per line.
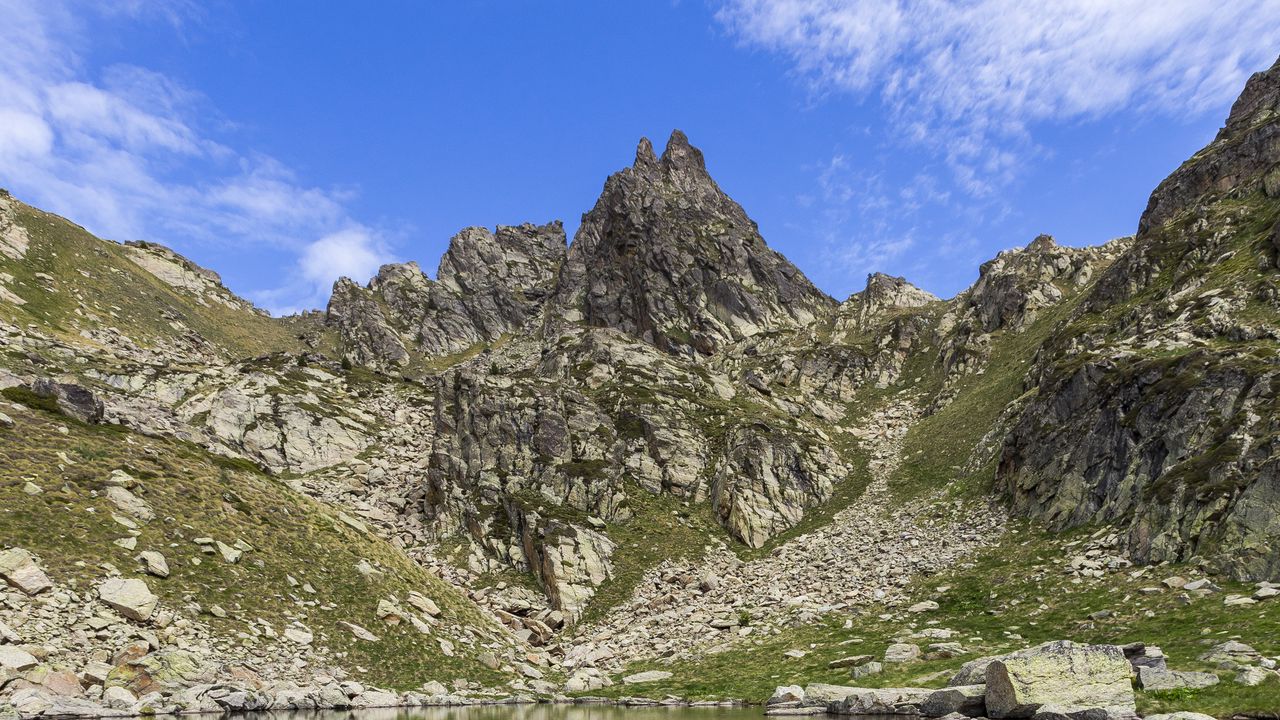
(645,157)
(666,256)
(680,155)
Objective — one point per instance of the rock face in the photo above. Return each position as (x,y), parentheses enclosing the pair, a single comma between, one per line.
(883,295)
(177,271)
(1156,404)
(489,283)
(1011,292)
(1163,442)
(667,257)
(767,480)
(73,400)
(1059,675)
(1242,156)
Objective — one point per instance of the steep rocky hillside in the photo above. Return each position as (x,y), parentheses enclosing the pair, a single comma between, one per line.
(657,448)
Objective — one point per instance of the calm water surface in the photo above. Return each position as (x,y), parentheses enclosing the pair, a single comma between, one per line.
(542,712)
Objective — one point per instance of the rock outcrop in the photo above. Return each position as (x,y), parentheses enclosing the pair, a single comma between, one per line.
(489,283)
(1155,404)
(1242,158)
(667,257)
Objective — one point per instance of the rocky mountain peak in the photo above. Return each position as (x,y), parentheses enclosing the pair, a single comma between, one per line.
(889,291)
(489,283)
(883,294)
(645,157)
(1258,102)
(681,157)
(1244,155)
(1015,286)
(667,256)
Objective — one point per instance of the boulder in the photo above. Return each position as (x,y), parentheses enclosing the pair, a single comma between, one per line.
(36,702)
(1153,679)
(968,700)
(1180,716)
(375,699)
(866,669)
(130,504)
(13,658)
(821,694)
(154,563)
(131,598)
(118,698)
(160,671)
(1253,676)
(786,694)
(881,701)
(902,653)
(1230,653)
(20,570)
(973,672)
(850,661)
(73,400)
(1062,675)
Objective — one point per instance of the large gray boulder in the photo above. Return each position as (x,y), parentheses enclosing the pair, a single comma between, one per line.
(881,701)
(968,700)
(19,569)
(820,694)
(73,400)
(1153,679)
(131,598)
(1060,675)
(973,672)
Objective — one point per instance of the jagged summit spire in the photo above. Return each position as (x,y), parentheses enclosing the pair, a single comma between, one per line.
(677,157)
(644,153)
(680,155)
(1259,100)
(1042,242)
(665,255)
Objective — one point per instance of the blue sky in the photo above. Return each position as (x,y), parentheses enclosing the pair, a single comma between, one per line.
(285,143)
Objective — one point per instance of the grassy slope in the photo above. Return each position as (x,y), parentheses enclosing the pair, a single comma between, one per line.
(1015,587)
(122,294)
(195,495)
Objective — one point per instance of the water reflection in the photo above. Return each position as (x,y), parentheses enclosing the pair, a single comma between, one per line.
(526,712)
(539,712)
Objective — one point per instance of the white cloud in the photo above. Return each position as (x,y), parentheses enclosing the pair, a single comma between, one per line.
(972,79)
(350,253)
(127,152)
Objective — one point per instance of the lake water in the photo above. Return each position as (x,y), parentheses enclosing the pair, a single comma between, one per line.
(528,712)
(545,712)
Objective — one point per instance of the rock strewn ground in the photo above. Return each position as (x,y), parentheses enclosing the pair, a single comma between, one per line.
(866,554)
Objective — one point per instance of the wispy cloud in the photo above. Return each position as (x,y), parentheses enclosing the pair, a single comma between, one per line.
(973,79)
(127,152)
(966,91)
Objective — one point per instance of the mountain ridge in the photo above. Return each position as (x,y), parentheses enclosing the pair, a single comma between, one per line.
(649,447)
